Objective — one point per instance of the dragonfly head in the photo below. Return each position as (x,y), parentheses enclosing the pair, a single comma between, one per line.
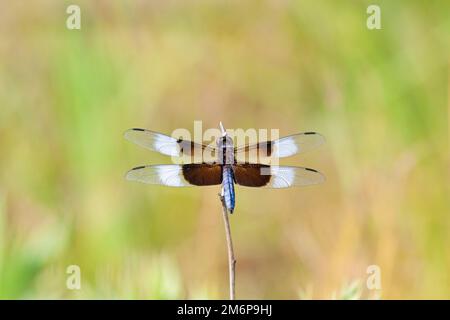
(222,129)
(225,140)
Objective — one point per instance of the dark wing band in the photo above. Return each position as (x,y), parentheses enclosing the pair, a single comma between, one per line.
(251,175)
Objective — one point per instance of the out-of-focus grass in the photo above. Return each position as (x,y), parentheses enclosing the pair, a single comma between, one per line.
(379,97)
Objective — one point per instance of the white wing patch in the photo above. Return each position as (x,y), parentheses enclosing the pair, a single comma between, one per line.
(170,175)
(297,143)
(285,147)
(282,177)
(167,145)
(285,176)
(166,174)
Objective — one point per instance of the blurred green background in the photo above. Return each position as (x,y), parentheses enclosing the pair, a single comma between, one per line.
(380,97)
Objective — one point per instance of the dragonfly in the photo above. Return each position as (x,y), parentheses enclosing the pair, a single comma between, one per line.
(224,164)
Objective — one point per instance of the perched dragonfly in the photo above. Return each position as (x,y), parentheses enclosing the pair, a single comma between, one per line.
(223,165)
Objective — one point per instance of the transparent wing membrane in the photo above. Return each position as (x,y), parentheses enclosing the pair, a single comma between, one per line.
(190,151)
(288,146)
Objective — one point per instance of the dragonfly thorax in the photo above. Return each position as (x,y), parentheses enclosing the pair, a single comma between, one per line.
(225,148)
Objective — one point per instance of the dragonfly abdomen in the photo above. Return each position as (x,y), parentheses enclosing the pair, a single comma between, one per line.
(228,188)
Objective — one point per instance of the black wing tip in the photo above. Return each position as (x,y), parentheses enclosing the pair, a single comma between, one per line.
(313,170)
(137,168)
(319,135)
(127,174)
(126,133)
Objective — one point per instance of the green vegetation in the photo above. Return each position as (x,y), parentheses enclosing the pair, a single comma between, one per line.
(380,97)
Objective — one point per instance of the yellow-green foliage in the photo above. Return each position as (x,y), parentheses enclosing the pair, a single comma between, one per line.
(380,97)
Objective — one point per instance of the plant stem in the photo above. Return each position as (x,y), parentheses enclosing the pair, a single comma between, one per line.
(231,259)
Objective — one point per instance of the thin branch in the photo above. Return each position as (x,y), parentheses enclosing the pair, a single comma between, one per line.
(231,259)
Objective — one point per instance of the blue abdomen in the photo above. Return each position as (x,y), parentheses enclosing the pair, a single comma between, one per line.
(228,188)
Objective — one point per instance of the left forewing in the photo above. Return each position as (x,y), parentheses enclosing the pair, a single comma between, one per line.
(155,141)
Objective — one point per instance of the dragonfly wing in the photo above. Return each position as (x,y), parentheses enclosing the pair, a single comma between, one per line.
(170,146)
(177,175)
(281,148)
(261,175)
